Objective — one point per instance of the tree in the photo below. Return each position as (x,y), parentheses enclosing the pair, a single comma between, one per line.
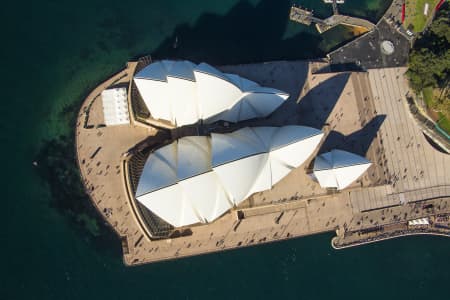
(429,62)
(440,26)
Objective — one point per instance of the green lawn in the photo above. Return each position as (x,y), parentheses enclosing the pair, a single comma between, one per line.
(428,96)
(444,123)
(414,13)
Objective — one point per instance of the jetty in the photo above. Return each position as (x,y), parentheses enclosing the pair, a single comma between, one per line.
(306,17)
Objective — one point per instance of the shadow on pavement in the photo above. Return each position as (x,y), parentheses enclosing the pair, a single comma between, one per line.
(358,142)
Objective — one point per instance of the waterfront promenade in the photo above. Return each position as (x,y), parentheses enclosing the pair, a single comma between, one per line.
(364,112)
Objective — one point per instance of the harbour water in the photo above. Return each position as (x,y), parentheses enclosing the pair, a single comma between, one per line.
(54,248)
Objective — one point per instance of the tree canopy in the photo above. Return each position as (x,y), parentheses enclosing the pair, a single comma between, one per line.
(429,61)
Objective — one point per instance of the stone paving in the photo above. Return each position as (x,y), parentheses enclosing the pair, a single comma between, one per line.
(412,162)
(366,51)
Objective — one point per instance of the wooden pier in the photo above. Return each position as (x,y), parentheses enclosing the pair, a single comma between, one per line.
(302,16)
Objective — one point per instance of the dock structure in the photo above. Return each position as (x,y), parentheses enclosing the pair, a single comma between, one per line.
(335,3)
(338,19)
(306,17)
(302,16)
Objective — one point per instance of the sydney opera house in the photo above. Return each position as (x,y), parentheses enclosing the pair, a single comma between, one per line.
(183,159)
(197,178)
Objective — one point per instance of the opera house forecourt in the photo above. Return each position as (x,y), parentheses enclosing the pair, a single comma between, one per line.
(184,159)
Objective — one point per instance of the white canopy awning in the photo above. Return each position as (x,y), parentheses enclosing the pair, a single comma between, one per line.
(115,106)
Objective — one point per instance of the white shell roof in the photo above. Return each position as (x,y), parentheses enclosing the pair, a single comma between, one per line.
(184,93)
(197,179)
(338,168)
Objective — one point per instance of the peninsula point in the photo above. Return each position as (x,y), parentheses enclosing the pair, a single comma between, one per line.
(184,158)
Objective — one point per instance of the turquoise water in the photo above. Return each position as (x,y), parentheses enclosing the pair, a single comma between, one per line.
(54,52)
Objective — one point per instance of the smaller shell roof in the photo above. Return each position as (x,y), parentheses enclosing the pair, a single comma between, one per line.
(338,159)
(338,168)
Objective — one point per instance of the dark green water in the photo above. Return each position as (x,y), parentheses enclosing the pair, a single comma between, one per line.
(54,52)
